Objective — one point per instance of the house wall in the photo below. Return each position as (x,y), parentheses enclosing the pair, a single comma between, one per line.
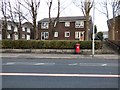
(117,32)
(13,33)
(61,29)
(114,35)
(0,30)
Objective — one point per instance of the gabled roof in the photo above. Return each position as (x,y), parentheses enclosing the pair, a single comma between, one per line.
(63,19)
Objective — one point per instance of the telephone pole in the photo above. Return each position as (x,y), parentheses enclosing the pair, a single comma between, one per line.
(93,36)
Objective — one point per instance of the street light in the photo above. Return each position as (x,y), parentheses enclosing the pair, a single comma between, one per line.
(93,44)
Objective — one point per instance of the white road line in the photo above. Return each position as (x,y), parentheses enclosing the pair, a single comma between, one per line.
(10,63)
(37,64)
(61,75)
(104,65)
(73,64)
(69,64)
(27,63)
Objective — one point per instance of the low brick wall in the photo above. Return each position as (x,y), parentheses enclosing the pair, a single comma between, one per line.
(37,51)
(55,51)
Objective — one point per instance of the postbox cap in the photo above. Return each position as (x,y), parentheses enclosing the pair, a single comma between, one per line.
(77,44)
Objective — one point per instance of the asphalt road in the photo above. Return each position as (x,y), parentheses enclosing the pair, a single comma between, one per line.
(59,73)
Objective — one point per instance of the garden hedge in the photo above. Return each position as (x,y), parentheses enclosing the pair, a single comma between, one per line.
(47,44)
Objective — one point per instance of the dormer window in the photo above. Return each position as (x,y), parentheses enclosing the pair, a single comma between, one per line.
(67,24)
(44,25)
(79,24)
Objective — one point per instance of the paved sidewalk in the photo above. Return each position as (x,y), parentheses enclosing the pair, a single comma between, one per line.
(24,55)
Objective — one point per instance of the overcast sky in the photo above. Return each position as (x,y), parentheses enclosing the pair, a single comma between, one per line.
(72,10)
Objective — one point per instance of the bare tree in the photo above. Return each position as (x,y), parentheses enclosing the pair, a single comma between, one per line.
(86,7)
(18,11)
(114,4)
(53,23)
(32,6)
(12,19)
(4,23)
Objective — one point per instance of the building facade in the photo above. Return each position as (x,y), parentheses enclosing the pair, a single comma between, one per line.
(26,31)
(68,28)
(13,31)
(0,29)
(114,35)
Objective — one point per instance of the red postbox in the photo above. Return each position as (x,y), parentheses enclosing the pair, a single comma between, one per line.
(77,50)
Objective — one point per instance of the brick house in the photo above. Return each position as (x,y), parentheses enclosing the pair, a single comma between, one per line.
(68,28)
(26,31)
(0,29)
(116,34)
(12,32)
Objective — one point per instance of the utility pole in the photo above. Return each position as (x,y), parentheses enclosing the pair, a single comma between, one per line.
(93,41)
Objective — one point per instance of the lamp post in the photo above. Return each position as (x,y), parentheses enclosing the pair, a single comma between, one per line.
(93,41)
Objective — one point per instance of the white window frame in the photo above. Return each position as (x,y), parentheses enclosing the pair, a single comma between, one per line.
(8,36)
(55,34)
(46,35)
(0,36)
(44,25)
(43,34)
(78,35)
(28,30)
(66,34)
(23,36)
(79,24)
(9,27)
(15,29)
(23,29)
(28,37)
(67,24)
(16,37)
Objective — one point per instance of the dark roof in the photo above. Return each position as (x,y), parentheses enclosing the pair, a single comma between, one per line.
(28,24)
(62,19)
(12,23)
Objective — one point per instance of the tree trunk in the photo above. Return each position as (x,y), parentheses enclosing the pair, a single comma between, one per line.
(113,28)
(87,28)
(4,30)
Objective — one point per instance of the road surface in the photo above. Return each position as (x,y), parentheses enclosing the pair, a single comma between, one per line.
(59,73)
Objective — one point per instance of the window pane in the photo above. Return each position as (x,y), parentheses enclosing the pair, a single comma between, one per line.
(67,24)
(8,36)
(0,37)
(16,30)
(56,34)
(67,34)
(23,36)
(46,35)
(76,35)
(28,37)
(16,37)
(23,29)
(45,25)
(28,30)
(9,27)
(79,24)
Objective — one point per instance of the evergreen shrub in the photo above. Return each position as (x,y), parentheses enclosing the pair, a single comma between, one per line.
(48,44)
